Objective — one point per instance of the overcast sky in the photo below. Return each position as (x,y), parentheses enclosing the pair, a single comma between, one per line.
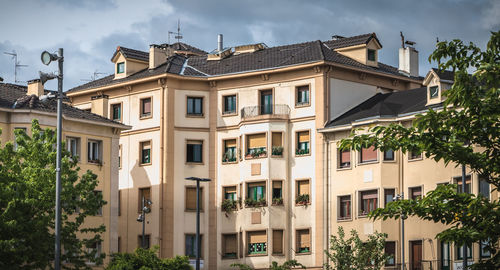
(90,30)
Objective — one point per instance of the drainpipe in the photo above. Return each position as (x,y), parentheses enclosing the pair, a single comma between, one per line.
(326,198)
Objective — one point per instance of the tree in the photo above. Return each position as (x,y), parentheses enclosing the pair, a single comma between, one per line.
(466,131)
(288,265)
(352,253)
(27,204)
(146,259)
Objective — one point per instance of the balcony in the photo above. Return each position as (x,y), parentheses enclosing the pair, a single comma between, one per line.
(274,111)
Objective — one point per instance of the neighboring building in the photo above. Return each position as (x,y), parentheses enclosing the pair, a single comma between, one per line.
(247,118)
(93,138)
(360,181)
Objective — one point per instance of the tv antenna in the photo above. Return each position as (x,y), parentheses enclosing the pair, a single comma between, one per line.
(94,76)
(17,64)
(178,34)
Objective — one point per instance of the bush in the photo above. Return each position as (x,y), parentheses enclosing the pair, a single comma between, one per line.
(145,259)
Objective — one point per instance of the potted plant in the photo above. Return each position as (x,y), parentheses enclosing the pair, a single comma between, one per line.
(228,206)
(250,202)
(302,199)
(300,152)
(277,201)
(277,151)
(262,153)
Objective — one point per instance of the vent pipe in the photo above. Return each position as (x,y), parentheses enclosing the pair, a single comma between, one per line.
(220,45)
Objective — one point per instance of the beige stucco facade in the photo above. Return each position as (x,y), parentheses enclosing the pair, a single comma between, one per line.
(106,171)
(170,128)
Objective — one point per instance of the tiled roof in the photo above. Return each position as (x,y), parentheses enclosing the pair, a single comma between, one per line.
(445,74)
(265,59)
(180,46)
(385,105)
(351,41)
(131,53)
(13,96)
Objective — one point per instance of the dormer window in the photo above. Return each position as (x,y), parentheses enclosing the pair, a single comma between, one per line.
(372,55)
(120,67)
(433,92)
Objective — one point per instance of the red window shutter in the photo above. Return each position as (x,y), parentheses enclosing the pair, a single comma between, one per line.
(345,156)
(147,106)
(368,154)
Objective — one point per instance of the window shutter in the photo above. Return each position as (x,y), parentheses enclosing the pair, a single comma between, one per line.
(258,184)
(368,154)
(191,198)
(303,136)
(303,187)
(231,143)
(230,243)
(277,139)
(369,195)
(345,156)
(276,184)
(277,241)
(146,103)
(257,237)
(230,189)
(257,140)
(304,239)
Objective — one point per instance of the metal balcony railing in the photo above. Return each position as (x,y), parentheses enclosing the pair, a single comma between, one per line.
(273,109)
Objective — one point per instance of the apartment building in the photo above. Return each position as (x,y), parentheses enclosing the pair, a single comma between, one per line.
(247,118)
(360,181)
(93,138)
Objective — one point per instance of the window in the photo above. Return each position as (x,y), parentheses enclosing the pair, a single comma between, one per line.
(389,195)
(445,255)
(120,67)
(119,202)
(344,207)
(229,246)
(369,202)
(302,143)
(116,112)
(302,195)
(195,106)
(256,191)
(277,192)
(458,182)
(144,194)
(277,144)
(229,105)
(302,95)
(145,152)
(98,194)
(484,187)
(460,252)
(368,154)
(372,55)
(194,152)
(483,252)
(147,241)
(119,244)
(278,242)
(388,155)
(416,193)
(256,145)
(390,249)
(94,151)
(433,92)
(120,156)
(15,143)
(229,151)
(95,250)
(303,241)
(414,155)
(230,193)
(345,158)
(145,107)
(266,102)
(73,145)
(191,199)
(257,242)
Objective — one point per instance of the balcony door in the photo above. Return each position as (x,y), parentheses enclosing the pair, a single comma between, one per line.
(416,255)
(266,102)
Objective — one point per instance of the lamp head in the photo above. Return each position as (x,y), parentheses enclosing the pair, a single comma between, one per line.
(44,77)
(48,57)
(140,218)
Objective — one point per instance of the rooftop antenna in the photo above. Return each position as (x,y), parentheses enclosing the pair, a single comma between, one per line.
(17,64)
(94,76)
(178,34)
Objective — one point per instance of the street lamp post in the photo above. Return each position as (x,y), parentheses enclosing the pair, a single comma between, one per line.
(46,59)
(197,245)
(146,208)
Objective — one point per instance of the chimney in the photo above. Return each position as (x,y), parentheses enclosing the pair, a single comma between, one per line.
(220,44)
(35,87)
(157,55)
(408,61)
(100,105)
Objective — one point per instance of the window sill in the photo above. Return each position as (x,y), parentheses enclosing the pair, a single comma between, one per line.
(226,114)
(415,159)
(144,164)
(363,216)
(389,161)
(257,255)
(248,158)
(194,163)
(303,253)
(195,116)
(278,254)
(302,105)
(223,257)
(302,204)
(229,162)
(368,162)
(96,162)
(344,168)
(344,219)
(303,155)
(277,156)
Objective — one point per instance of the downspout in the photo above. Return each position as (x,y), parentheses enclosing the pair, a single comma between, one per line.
(400,191)
(162,83)
(326,201)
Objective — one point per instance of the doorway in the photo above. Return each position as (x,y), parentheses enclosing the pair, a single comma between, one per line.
(416,255)
(266,102)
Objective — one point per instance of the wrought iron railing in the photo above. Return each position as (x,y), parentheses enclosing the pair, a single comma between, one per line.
(273,109)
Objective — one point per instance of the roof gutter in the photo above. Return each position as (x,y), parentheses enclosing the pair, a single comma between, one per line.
(119,126)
